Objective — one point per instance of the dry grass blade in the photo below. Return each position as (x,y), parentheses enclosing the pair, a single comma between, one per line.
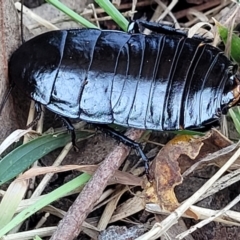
(110,208)
(34,16)
(161,5)
(9,203)
(207,5)
(211,157)
(119,176)
(128,208)
(199,15)
(41,232)
(14,137)
(222,183)
(208,13)
(195,29)
(210,219)
(48,176)
(229,217)
(168,9)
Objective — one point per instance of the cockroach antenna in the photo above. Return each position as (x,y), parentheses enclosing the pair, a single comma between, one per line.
(6,96)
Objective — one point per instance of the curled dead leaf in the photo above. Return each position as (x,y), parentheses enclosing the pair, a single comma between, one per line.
(165,170)
(182,153)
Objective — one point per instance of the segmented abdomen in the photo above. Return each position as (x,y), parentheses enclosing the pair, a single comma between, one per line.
(153,82)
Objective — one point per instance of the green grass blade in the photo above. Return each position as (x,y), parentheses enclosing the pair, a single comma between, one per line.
(114,13)
(235,115)
(22,157)
(71,13)
(37,238)
(235,43)
(46,200)
(104,4)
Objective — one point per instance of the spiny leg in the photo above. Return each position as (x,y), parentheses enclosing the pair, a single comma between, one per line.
(125,140)
(67,123)
(6,96)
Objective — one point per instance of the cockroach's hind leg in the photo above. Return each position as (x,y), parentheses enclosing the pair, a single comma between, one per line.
(127,141)
(67,123)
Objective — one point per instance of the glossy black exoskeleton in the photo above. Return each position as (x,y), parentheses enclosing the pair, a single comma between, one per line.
(162,81)
(158,81)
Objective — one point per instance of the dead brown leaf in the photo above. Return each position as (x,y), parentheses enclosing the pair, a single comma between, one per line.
(180,154)
(216,150)
(165,170)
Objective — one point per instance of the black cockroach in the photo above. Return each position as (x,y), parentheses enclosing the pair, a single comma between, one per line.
(162,81)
